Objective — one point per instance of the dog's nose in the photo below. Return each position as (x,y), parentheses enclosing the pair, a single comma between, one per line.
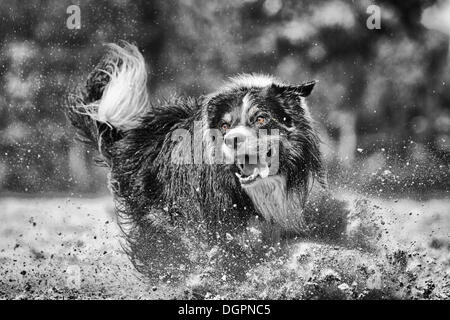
(234,140)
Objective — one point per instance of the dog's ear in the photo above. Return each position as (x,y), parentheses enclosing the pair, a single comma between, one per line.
(306,88)
(303,89)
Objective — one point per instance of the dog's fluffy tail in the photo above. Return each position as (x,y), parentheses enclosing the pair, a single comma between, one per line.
(114,99)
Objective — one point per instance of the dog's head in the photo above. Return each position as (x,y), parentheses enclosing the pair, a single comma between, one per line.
(262,129)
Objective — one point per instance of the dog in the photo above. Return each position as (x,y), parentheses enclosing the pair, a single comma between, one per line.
(198,178)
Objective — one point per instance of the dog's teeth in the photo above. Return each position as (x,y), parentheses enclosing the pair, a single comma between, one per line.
(254,174)
(264,173)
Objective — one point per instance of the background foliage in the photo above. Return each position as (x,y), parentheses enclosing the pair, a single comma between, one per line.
(382,103)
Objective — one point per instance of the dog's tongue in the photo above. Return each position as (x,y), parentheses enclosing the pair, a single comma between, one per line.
(254,170)
(248,169)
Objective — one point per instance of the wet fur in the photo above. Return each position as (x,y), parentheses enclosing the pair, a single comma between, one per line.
(180,218)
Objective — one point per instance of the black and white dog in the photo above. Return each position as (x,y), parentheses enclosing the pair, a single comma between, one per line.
(193,177)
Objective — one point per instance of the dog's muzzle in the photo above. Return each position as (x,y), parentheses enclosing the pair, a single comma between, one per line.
(255,157)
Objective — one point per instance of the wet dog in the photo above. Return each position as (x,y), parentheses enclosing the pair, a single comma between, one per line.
(193,177)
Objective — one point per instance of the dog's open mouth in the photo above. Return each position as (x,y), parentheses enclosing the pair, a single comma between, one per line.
(250,172)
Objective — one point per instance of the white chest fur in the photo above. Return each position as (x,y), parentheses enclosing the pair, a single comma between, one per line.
(272,201)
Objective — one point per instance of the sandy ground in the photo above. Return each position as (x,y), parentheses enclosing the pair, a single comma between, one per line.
(70,248)
(65,248)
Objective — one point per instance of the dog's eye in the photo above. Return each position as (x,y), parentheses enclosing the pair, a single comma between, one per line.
(225,126)
(261,120)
